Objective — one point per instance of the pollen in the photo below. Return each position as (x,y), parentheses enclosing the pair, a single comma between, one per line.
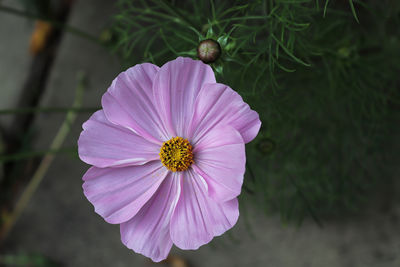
(176,154)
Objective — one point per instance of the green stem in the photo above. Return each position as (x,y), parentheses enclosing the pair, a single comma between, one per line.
(47,110)
(46,162)
(31,154)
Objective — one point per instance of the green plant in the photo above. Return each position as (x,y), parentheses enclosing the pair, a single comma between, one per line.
(323,76)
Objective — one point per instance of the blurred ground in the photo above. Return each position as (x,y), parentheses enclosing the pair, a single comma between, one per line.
(61,224)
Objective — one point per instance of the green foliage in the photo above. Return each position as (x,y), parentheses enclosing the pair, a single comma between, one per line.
(323,76)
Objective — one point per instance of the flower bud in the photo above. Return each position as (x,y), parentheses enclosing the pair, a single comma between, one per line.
(208,50)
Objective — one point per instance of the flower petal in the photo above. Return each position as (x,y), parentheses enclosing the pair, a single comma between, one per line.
(129,102)
(175,89)
(118,193)
(220,159)
(219,104)
(104,144)
(148,232)
(198,218)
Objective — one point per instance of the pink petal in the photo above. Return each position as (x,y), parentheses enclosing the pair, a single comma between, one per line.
(220,159)
(175,89)
(104,144)
(219,104)
(148,232)
(129,103)
(118,193)
(198,218)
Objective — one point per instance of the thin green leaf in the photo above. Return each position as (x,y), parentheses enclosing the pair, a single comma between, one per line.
(290,53)
(325,7)
(353,10)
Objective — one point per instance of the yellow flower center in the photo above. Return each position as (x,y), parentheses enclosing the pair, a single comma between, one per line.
(176,154)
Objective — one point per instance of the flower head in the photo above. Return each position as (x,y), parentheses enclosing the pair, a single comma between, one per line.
(168,156)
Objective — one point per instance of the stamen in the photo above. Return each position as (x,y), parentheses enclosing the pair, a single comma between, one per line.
(176,154)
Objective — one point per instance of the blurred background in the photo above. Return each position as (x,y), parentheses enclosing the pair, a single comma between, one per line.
(322,180)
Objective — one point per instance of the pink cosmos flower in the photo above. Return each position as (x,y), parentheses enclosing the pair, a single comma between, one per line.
(168,156)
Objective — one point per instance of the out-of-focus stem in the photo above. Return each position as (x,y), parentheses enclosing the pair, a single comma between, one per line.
(46,162)
(48,110)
